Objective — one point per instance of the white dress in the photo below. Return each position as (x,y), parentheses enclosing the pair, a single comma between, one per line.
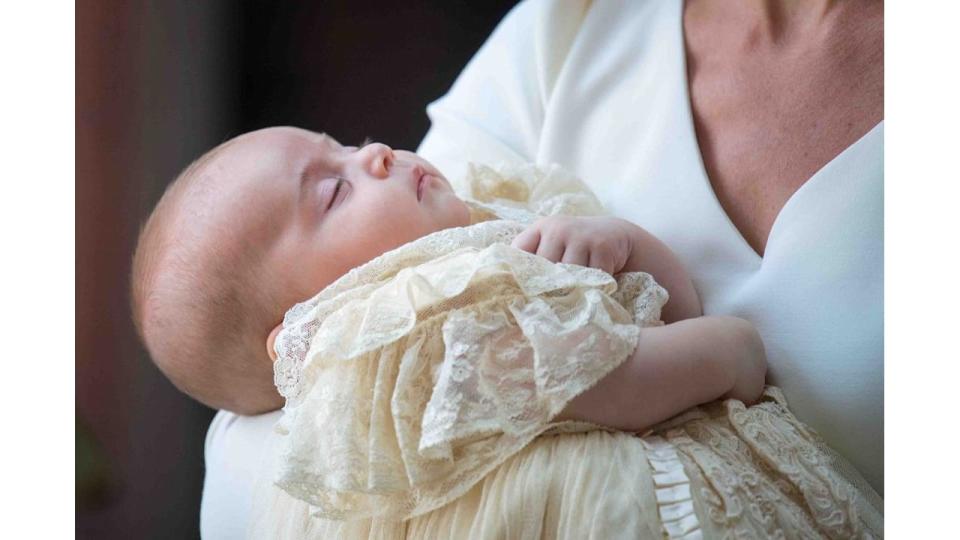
(600,88)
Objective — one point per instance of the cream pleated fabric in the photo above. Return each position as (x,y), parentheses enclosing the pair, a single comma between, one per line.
(421,389)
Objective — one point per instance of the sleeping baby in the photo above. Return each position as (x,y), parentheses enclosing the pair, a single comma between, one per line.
(452,340)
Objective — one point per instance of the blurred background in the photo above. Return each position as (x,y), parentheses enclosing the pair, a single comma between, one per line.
(157,84)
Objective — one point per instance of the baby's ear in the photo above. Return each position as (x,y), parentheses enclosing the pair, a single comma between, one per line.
(270,341)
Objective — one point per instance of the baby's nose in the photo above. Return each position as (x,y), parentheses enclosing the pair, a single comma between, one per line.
(377,158)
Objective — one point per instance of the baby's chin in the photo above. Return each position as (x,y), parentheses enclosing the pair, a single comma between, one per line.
(461,211)
(446,209)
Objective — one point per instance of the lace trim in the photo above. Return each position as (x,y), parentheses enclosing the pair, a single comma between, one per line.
(405,386)
(672,490)
(442,446)
(512,192)
(302,321)
(518,194)
(759,472)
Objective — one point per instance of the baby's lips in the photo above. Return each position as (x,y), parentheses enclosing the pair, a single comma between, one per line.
(416,177)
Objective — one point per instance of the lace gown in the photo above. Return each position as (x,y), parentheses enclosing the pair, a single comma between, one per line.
(421,386)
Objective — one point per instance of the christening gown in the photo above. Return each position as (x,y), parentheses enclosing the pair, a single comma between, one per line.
(420,391)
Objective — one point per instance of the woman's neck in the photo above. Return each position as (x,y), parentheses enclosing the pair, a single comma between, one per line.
(784,21)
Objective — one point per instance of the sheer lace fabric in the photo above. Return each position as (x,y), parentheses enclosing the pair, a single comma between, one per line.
(421,386)
(412,393)
(413,376)
(737,481)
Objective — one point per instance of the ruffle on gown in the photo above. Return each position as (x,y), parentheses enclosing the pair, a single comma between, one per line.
(411,393)
(748,472)
(413,376)
(421,388)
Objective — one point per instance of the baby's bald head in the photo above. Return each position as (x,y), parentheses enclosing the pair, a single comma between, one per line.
(262,222)
(201,301)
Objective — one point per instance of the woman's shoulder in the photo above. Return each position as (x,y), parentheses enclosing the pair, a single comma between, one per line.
(495,109)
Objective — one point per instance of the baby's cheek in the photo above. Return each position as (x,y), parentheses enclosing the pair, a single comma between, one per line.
(462,213)
(388,233)
(450,212)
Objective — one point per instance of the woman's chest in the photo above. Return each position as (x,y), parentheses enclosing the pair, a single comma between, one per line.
(620,117)
(769,117)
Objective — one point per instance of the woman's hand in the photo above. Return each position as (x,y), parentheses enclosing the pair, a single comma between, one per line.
(598,242)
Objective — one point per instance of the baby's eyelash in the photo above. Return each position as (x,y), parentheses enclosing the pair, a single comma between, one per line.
(366,141)
(336,192)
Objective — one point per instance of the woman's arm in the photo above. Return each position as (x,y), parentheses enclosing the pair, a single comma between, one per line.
(494,111)
(673,368)
(235,452)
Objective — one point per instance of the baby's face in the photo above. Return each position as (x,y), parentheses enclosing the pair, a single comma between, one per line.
(313,208)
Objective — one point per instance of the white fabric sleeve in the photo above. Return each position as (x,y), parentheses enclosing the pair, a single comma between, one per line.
(234,452)
(494,112)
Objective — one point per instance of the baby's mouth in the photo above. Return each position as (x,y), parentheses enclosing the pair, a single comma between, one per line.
(423,177)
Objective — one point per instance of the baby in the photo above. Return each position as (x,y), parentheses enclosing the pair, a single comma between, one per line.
(420,378)
(268,218)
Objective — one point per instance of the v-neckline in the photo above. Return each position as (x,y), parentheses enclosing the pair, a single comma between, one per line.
(690,131)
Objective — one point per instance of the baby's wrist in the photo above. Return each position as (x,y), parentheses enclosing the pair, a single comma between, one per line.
(636,241)
(738,348)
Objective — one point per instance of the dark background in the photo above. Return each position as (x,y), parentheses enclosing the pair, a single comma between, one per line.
(157,84)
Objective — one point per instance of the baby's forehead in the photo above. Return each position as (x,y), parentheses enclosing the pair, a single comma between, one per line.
(254,173)
(223,197)
(272,150)
(239,159)
(283,136)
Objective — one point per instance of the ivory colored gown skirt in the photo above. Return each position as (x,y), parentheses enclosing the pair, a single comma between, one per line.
(718,471)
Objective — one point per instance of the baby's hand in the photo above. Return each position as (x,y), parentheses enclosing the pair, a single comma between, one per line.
(740,345)
(597,242)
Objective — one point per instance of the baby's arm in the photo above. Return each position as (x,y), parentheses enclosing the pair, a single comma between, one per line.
(673,368)
(694,360)
(614,245)
(648,254)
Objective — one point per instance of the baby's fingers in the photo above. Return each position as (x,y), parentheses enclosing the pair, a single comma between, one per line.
(527,240)
(603,261)
(576,254)
(550,249)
